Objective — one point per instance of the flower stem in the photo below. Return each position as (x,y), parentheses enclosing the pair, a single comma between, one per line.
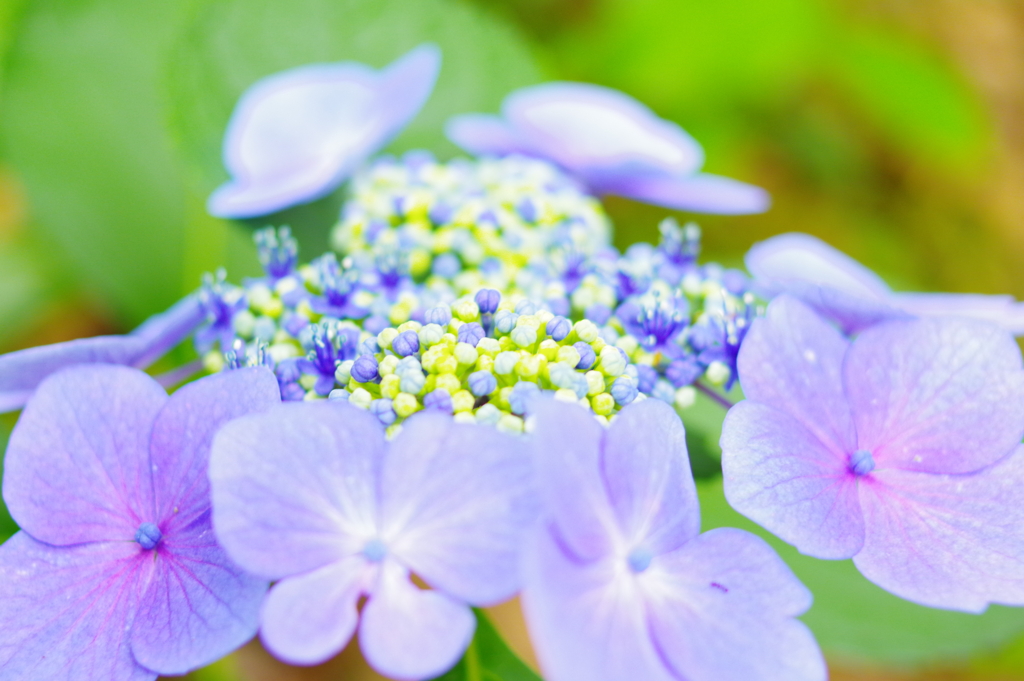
(713,394)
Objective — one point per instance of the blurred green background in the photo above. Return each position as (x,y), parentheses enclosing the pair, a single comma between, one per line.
(894,129)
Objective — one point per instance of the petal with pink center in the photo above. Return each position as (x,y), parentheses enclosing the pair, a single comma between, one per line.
(936,395)
(778,474)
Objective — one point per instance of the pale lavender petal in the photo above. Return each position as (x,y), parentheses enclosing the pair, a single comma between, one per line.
(1002,310)
(780,475)
(587,622)
(294,488)
(22,371)
(309,618)
(701,192)
(647,472)
(947,541)
(943,395)
(566,444)
(409,634)
(77,466)
(455,501)
(834,284)
(483,135)
(198,607)
(721,608)
(295,136)
(183,432)
(64,612)
(792,360)
(596,132)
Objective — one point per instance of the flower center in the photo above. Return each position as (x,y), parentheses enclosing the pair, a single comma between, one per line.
(375,550)
(148,535)
(861,462)
(640,559)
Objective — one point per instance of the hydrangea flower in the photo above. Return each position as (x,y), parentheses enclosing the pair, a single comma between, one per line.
(116,573)
(611,142)
(620,584)
(900,449)
(841,289)
(23,370)
(314,496)
(296,135)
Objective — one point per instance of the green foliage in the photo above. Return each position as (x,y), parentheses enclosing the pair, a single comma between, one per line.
(489,659)
(231,44)
(856,621)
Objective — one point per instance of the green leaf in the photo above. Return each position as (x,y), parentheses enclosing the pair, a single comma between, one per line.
(489,659)
(703,423)
(230,44)
(916,99)
(7,525)
(856,621)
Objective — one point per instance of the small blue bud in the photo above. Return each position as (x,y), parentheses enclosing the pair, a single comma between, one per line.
(861,462)
(447,265)
(487,300)
(505,321)
(664,391)
(527,209)
(482,383)
(383,410)
(370,346)
(598,313)
(526,306)
(587,355)
(364,369)
(558,328)
(148,535)
(439,400)
(375,550)
(640,559)
(624,390)
(683,372)
(522,395)
(440,315)
(406,343)
(646,376)
(338,395)
(471,333)
(376,324)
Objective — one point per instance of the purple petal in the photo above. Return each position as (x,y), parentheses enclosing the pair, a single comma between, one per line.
(587,621)
(647,472)
(483,135)
(792,360)
(294,488)
(567,443)
(947,541)
(721,609)
(596,132)
(407,633)
(938,395)
(183,432)
(64,612)
(455,500)
(199,606)
(781,476)
(77,466)
(296,135)
(1002,310)
(23,370)
(309,618)
(834,284)
(701,193)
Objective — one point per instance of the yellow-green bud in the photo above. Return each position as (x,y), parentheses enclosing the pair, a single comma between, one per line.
(412,325)
(307,381)
(387,365)
(489,346)
(467,310)
(405,404)
(595,382)
(510,424)
(385,337)
(429,335)
(463,400)
(612,361)
(361,398)
(628,344)
(465,354)
(567,354)
(717,373)
(213,361)
(449,382)
(602,404)
(390,386)
(446,365)
(530,366)
(549,348)
(586,330)
(685,397)
(484,363)
(566,395)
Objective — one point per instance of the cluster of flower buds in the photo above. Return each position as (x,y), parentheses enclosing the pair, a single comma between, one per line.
(394,337)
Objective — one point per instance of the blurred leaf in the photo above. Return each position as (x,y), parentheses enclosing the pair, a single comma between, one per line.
(916,99)
(703,422)
(856,621)
(489,659)
(230,44)
(7,524)
(10,14)
(29,282)
(82,125)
